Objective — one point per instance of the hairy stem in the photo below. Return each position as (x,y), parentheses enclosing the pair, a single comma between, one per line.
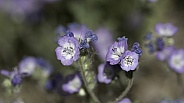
(90,91)
(124,93)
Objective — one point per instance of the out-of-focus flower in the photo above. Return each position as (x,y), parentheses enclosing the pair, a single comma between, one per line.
(27,66)
(151,48)
(105,39)
(125,100)
(160,44)
(152,1)
(102,76)
(55,83)
(68,50)
(172,101)
(165,29)
(176,61)
(14,76)
(148,36)
(116,51)
(165,53)
(80,32)
(22,8)
(19,7)
(45,65)
(73,84)
(129,61)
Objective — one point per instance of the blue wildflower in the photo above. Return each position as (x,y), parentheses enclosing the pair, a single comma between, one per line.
(148,36)
(84,44)
(90,36)
(14,76)
(105,76)
(136,48)
(125,100)
(151,47)
(72,84)
(68,50)
(165,29)
(160,43)
(116,51)
(129,61)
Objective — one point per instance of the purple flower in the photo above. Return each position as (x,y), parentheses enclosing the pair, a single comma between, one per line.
(165,29)
(15,76)
(73,84)
(125,100)
(102,77)
(129,61)
(90,36)
(27,66)
(152,0)
(176,60)
(54,83)
(16,80)
(78,30)
(136,48)
(151,47)
(45,65)
(148,36)
(160,43)
(67,51)
(116,51)
(105,39)
(19,7)
(165,53)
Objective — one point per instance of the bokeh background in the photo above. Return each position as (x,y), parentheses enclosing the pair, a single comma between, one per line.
(28,28)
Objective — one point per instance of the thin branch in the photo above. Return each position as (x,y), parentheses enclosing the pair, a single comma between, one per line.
(124,93)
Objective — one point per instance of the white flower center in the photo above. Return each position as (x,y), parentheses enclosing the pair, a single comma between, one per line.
(74,84)
(165,31)
(68,50)
(128,60)
(117,52)
(177,61)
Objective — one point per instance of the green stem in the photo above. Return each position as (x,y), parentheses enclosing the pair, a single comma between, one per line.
(124,93)
(91,93)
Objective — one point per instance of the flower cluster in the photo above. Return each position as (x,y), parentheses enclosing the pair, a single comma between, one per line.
(119,58)
(76,38)
(163,46)
(118,53)
(28,66)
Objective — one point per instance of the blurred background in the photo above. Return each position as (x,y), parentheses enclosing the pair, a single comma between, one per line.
(28,28)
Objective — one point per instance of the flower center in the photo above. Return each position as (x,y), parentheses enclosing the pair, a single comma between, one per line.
(178,61)
(128,60)
(68,50)
(117,52)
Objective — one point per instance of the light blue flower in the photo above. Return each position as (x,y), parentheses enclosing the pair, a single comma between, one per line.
(116,51)
(68,50)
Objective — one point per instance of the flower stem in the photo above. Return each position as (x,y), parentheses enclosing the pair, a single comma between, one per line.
(124,93)
(90,91)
